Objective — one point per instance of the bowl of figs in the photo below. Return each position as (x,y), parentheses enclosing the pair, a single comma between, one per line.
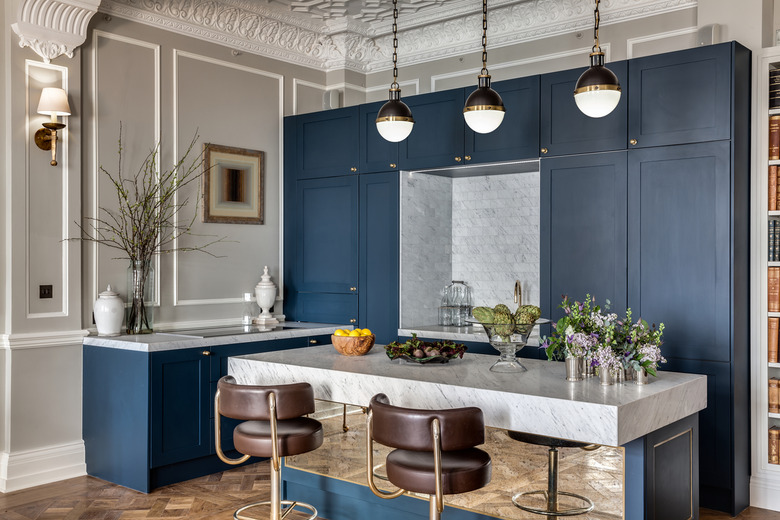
(421,352)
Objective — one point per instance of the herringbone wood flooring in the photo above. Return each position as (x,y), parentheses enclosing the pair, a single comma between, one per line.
(211,497)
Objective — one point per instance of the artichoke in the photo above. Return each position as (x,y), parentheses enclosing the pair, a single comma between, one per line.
(504,322)
(483,314)
(501,308)
(527,314)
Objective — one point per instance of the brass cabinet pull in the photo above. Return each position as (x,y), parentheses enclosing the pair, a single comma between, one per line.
(353,289)
(206,352)
(353,320)
(353,169)
(468,157)
(457,159)
(633,142)
(544,151)
(312,342)
(393,165)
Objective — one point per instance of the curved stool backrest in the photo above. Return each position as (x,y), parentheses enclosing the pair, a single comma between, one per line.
(410,428)
(250,403)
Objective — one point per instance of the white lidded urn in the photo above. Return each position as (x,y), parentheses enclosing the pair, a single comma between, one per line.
(109,310)
(265,292)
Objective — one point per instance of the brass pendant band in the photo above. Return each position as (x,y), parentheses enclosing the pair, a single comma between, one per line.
(498,108)
(394,118)
(591,88)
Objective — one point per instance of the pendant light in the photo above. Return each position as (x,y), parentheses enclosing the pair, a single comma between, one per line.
(484,108)
(597,92)
(394,120)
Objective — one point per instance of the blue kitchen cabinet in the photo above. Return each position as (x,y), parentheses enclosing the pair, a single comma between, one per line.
(518,135)
(376,154)
(583,243)
(564,130)
(437,138)
(379,263)
(326,143)
(681,97)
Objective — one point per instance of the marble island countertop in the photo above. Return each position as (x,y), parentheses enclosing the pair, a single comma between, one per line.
(210,336)
(537,401)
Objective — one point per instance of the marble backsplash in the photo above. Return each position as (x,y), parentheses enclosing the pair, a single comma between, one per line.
(483,230)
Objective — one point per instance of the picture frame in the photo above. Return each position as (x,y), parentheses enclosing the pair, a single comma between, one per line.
(233,185)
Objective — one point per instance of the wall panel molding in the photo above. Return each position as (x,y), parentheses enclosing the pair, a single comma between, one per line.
(24,469)
(42,339)
(631,42)
(177,54)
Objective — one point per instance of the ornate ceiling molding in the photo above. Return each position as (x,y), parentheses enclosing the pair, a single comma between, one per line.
(360,42)
(53,27)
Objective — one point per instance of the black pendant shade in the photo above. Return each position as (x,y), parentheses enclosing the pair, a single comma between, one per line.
(394,120)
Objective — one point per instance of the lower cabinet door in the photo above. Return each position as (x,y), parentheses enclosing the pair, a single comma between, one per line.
(179,406)
(340,309)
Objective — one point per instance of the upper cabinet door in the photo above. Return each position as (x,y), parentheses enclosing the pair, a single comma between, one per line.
(564,130)
(376,154)
(680,97)
(518,135)
(437,137)
(327,143)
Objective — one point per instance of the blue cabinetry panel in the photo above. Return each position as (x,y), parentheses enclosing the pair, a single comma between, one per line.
(326,143)
(379,235)
(437,137)
(583,230)
(679,246)
(518,135)
(681,97)
(376,154)
(564,130)
(326,255)
(335,308)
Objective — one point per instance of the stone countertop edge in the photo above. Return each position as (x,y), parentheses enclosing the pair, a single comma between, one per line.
(538,401)
(158,342)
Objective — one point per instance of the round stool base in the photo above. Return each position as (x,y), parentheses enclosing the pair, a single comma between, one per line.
(563,512)
(291,503)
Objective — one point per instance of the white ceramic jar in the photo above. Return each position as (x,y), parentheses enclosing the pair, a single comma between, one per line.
(109,310)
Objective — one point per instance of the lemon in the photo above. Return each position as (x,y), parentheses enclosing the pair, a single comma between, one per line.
(354,333)
(365,332)
(341,332)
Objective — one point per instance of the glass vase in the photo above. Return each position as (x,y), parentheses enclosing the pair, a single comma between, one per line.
(140,297)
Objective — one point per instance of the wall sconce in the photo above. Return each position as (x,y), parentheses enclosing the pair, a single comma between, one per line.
(54,102)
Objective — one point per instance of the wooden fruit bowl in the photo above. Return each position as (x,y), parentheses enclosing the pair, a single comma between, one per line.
(353,345)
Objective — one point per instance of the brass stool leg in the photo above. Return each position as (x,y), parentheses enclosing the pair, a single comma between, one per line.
(276,502)
(433,511)
(552,493)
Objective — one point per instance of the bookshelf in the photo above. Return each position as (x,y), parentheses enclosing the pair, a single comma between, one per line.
(765,479)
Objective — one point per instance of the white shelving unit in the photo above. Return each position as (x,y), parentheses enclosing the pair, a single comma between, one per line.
(765,479)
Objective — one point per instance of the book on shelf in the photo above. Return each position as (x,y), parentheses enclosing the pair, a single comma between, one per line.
(774,137)
(771,239)
(774,445)
(773,194)
(774,395)
(774,334)
(774,88)
(773,289)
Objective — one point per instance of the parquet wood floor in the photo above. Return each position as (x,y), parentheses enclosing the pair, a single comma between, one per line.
(211,497)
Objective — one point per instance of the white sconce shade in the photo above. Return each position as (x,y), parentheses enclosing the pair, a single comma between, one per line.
(54,102)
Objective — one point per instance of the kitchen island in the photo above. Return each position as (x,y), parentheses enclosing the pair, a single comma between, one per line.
(656,425)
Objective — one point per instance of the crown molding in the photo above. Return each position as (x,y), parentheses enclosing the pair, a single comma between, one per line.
(338,44)
(52,28)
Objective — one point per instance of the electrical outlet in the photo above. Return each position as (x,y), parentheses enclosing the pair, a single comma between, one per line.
(45,291)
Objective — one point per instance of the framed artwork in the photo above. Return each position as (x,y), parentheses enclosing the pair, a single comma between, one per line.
(232,185)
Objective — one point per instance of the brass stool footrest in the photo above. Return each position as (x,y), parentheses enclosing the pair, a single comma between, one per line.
(560,512)
(291,503)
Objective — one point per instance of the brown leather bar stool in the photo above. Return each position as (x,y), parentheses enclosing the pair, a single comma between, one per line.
(551,494)
(434,450)
(274,427)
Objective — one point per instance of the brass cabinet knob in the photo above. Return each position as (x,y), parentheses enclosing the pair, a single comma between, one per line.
(206,352)
(353,320)
(393,165)
(457,159)
(312,342)
(353,289)
(353,169)
(468,157)
(633,142)
(544,151)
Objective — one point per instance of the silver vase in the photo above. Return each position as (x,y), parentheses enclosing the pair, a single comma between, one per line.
(574,368)
(605,377)
(620,376)
(590,370)
(641,377)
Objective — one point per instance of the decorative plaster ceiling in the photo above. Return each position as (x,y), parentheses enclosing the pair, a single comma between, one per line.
(355,34)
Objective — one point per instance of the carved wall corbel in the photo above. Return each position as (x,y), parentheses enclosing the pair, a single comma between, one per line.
(52,28)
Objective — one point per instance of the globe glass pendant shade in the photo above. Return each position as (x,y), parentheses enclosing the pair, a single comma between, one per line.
(597,92)
(484,110)
(394,122)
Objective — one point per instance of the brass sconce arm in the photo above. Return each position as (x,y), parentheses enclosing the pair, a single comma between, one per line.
(46,139)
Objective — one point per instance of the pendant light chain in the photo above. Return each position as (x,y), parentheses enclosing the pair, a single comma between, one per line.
(484,71)
(395,44)
(597,19)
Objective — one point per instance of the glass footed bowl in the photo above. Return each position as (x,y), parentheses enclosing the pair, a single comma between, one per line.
(509,339)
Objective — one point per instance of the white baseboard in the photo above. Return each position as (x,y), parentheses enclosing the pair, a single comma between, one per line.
(765,493)
(21,470)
